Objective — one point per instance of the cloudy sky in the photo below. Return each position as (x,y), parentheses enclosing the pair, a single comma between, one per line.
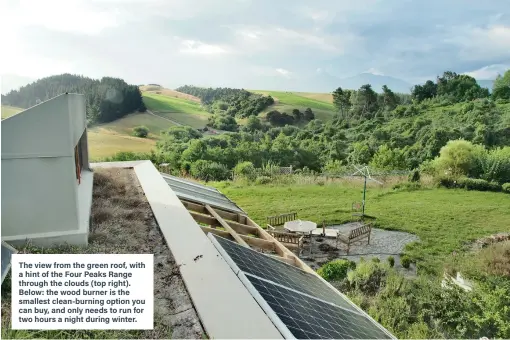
(249,43)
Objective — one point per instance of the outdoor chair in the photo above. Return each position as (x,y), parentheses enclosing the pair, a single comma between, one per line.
(355,235)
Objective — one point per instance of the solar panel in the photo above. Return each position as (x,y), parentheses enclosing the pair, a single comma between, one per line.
(310,318)
(300,301)
(200,193)
(258,264)
(7,252)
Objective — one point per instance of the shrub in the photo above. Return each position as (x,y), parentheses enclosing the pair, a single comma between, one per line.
(245,169)
(405,261)
(460,158)
(262,180)
(391,261)
(141,131)
(336,270)
(478,184)
(368,276)
(376,259)
(407,186)
(506,188)
(209,171)
(414,176)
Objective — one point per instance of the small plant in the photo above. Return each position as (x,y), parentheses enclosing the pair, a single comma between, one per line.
(141,131)
(391,261)
(262,180)
(405,261)
(336,270)
(506,188)
(376,259)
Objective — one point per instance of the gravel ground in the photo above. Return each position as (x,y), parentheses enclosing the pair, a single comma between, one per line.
(383,243)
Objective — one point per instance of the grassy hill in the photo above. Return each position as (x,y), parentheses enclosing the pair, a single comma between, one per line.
(8,111)
(320,103)
(181,110)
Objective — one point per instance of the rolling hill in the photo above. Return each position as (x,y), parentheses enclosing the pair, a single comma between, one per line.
(320,103)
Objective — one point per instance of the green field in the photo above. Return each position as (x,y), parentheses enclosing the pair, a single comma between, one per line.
(183,111)
(442,218)
(162,103)
(287,101)
(105,143)
(8,111)
(125,124)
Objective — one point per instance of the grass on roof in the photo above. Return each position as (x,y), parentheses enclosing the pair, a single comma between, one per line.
(121,223)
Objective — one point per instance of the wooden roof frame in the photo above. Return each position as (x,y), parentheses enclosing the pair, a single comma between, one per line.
(242,229)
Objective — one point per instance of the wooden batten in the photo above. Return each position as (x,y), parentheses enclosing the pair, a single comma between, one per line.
(209,220)
(227,227)
(200,208)
(252,241)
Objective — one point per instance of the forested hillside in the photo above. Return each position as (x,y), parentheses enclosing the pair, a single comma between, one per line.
(387,131)
(107,99)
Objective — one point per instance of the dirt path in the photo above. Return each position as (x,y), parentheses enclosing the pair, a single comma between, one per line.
(168,119)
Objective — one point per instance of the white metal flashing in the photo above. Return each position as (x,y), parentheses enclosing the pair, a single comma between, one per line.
(226,308)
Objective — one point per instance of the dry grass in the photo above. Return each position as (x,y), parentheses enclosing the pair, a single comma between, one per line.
(169,93)
(122,223)
(105,143)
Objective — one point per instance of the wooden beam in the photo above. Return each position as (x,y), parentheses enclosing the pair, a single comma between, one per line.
(240,228)
(281,249)
(227,227)
(252,241)
(200,208)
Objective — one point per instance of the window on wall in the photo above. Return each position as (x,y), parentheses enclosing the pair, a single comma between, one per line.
(77,163)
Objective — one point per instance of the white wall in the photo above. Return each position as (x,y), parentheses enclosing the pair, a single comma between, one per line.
(39,195)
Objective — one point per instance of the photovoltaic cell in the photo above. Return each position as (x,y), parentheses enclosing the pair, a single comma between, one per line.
(309,308)
(7,252)
(200,193)
(309,318)
(258,264)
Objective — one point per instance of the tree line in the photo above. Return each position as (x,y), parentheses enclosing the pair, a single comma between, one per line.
(107,99)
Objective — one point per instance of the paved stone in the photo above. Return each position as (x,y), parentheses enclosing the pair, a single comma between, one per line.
(383,243)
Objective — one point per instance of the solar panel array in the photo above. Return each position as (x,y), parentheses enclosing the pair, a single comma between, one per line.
(309,308)
(7,252)
(200,193)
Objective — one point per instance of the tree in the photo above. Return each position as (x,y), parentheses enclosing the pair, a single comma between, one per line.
(342,100)
(501,87)
(141,131)
(365,102)
(297,115)
(253,124)
(426,91)
(309,115)
(389,99)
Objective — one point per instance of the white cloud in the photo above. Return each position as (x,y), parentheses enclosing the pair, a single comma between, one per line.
(198,47)
(69,16)
(477,43)
(374,71)
(489,72)
(283,72)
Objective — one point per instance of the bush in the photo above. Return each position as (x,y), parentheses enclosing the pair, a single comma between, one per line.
(391,261)
(407,186)
(262,180)
(478,184)
(460,158)
(368,276)
(506,188)
(414,176)
(376,259)
(405,261)
(141,131)
(209,171)
(245,169)
(336,270)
